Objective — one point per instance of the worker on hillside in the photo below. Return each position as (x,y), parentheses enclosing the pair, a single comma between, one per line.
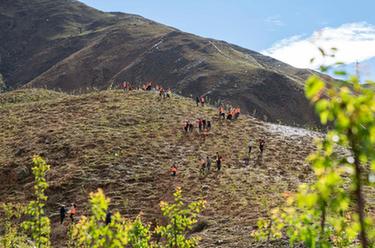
(200,124)
(230,114)
(161,92)
(149,87)
(108,218)
(237,113)
(250,146)
(221,112)
(261,146)
(208,125)
(204,124)
(173,170)
(197,101)
(186,126)
(169,93)
(218,161)
(191,127)
(62,214)
(203,100)
(203,166)
(72,211)
(208,164)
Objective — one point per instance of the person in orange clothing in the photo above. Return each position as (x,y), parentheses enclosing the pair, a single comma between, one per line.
(221,112)
(72,211)
(173,170)
(230,114)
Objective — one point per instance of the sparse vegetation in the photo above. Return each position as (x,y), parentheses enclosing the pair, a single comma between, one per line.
(125,143)
(333,211)
(38,225)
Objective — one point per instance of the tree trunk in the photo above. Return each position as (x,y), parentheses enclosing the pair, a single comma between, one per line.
(323,220)
(358,193)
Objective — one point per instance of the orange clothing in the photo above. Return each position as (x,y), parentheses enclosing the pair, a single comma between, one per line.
(73,211)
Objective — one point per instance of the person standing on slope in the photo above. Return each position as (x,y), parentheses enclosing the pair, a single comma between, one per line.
(72,211)
(108,218)
(62,214)
(203,166)
(204,124)
(250,146)
(261,146)
(208,164)
(208,125)
(200,124)
(218,161)
(197,101)
(203,100)
(173,170)
(221,113)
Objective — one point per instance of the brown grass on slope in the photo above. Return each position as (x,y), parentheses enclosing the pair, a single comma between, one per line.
(125,144)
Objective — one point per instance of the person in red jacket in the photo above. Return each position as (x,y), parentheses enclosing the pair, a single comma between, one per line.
(202,101)
(72,211)
(173,170)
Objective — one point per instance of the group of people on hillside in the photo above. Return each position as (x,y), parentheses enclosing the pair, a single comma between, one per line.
(164,93)
(203,125)
(205,165)
(232,114)
(126,86)
(73,212)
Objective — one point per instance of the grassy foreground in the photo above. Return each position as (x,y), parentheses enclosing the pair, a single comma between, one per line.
(125,144)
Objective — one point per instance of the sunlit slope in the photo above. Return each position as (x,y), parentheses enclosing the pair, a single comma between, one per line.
(125,144)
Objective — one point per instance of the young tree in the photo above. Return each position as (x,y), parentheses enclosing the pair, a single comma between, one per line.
(39,224)
(139,234)
(94,233)
(181,218)
(12,235)
(331,211)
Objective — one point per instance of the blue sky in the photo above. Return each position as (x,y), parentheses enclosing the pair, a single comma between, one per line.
(279,28)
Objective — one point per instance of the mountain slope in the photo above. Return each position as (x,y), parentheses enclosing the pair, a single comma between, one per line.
(125,144)
(63,44)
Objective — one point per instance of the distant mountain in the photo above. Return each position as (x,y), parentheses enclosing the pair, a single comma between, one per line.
(64,44)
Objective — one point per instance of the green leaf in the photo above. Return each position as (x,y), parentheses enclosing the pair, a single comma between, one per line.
(313,86)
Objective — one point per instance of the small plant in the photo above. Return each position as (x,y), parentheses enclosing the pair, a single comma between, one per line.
(331,211)
(181,218)
(93,232)
(13,236)
(39,224)
(139,234)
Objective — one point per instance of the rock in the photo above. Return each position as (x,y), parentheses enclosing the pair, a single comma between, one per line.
(219,242)
(22,172)
(19,152)
(205,187)
(200,226)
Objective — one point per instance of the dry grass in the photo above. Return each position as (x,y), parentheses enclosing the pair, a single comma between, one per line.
(125,144)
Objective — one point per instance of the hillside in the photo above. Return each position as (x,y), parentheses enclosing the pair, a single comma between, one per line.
(63,44)
(125,144)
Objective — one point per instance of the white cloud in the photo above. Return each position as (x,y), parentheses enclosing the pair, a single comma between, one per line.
(274,21)
(354,41)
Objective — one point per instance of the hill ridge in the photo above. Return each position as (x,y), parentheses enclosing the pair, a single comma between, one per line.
(39,40)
